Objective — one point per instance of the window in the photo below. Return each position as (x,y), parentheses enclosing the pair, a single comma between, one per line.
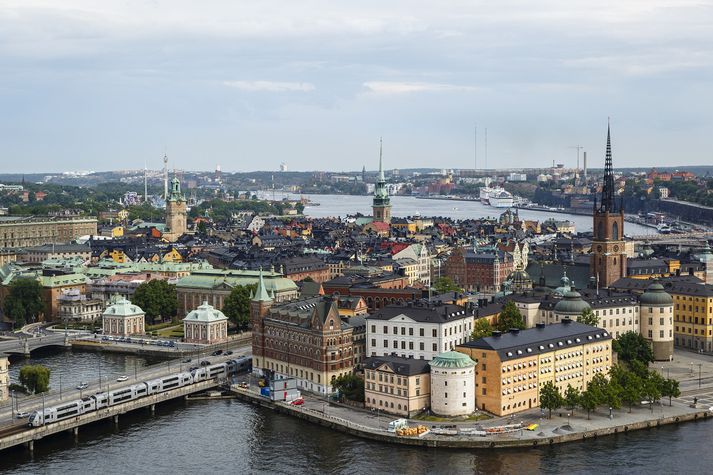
(396,344)
(410,331)
(435,347)
(445,395)
(445,383)
(373,329)
(650,334)
(435,333)
(484,391)
(386,329)
(421,346)
(386,343)
(660,333)
(373,342)
(410,345)
(403,330)
(420,331)
(418,381)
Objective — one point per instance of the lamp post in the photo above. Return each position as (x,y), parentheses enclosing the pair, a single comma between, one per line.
(60,385)
(12,405)
(699,374)
(610,413)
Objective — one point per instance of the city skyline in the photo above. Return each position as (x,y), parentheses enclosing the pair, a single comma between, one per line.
(251,86)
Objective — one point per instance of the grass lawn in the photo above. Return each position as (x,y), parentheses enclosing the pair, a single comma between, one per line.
(172,331)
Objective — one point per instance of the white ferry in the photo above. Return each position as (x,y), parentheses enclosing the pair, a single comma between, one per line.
(501,199)
(485,194)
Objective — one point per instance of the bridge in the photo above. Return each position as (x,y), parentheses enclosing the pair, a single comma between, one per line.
(25,345)
(693,238)
(17,431)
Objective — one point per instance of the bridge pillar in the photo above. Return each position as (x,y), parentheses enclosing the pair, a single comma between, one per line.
(116,420)
(30,446)
(26,348)
(152,408)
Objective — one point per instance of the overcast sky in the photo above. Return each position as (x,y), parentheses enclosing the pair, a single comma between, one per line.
(98,85)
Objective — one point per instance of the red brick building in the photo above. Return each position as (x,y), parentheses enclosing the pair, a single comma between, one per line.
(479,271)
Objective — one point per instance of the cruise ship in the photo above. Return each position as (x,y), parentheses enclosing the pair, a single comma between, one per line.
(499,198)
(484,194)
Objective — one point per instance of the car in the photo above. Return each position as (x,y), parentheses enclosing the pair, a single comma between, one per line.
(82,385)
(298,402)
(22,415)
(187,360)
(217,353)
(229,352)
(122,378)
(205,363)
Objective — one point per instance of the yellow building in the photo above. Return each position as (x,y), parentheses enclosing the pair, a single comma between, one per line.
(395,385)
(512,367)
(693,315)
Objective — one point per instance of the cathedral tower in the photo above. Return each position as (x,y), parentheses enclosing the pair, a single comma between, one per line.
(607,262)
(259,306)
(175,212)
(382,203)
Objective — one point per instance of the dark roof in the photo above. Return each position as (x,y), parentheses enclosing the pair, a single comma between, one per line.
(522,343)
(399,365)
(423,312)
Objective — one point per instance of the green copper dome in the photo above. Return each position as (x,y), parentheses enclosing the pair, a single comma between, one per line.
(452,359)
(571,304)
(655,295)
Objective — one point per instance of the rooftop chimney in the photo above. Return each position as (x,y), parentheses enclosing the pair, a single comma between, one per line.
(497,333)
(514,331)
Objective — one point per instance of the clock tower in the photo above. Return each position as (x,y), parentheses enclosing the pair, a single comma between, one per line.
(381,206)
(607,262)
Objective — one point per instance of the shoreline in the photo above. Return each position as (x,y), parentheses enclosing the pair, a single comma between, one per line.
(457,442)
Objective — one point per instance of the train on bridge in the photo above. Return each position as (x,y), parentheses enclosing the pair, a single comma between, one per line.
(104,399)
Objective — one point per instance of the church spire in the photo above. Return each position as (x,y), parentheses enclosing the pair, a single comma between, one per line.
(607,202)
(381,166)
(261,294)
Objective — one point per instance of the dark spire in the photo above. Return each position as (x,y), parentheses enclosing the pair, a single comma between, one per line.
(607,202)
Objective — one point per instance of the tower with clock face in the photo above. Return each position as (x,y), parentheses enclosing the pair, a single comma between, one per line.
(608,258)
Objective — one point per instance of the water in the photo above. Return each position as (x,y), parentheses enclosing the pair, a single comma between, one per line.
(403,206)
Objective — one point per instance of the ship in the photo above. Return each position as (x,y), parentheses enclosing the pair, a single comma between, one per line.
(485,194)
(500,198)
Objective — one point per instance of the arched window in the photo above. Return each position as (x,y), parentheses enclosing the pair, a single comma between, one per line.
(615,231)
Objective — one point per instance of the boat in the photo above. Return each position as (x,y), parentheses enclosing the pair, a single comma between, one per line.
(485,194)
(663,228)
(501,199)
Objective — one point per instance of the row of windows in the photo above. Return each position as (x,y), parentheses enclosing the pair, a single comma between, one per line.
(692,307)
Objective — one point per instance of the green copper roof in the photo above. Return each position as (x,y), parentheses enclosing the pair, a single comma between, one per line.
(572,304)
(656,295)
(261,294)
(124,308)
(451,359)
(205,313)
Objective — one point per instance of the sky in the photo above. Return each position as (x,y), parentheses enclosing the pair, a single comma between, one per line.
(102,85)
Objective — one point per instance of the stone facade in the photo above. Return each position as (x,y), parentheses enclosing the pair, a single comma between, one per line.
(4,378)
(452,384)
(16,232)
(395,385)
(122,318)
(176,215)
(205,325)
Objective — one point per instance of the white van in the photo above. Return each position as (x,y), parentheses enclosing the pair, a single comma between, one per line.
(397,424)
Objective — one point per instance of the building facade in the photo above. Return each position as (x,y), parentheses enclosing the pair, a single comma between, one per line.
(395,385)
(76,307)
(122,318)
(4,378)
(418,330)
(205,326)
(176,215)
(513,366)
(16,232)
(478,271)
(305,339)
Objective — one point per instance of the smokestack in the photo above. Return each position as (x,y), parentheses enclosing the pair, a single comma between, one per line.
(585,166)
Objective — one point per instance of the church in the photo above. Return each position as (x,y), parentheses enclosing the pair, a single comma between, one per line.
(176,215)
(381,205)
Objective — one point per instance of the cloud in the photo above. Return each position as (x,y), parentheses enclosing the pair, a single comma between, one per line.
(392,87)
(271,86)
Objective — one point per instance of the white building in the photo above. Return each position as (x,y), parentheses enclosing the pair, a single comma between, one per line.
(74,306)
(122,318)
(452,384)
(417,330)
(205,325)
(419,268)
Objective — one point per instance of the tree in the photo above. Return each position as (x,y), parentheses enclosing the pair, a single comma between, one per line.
(589,400)
(350,386)
(652,388)
(571,398)
(36,378)
(607,391)
(445,284)
(237,305)
(24,301)
(202,228)
(670,389)
(157,298)
(630,383)
(550,397)
(632,346)
(481,329)
(588,318)
(510,317)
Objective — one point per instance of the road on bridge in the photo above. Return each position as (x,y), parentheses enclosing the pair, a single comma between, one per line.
(18,345)
(152,372)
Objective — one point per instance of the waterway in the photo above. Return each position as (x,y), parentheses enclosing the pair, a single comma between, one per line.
(228,436)
(405,206)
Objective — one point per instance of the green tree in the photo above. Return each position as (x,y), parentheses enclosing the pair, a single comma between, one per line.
(588,318)
(350,386)
(670,389)
(445,284)
(202,228)
(589,400)
(36,378)
(550,397)
(632,346)
(630,383)
(157,298)
(571,398)
(481,329)
(651,389)
(24,301)
(237,305)
(510,317)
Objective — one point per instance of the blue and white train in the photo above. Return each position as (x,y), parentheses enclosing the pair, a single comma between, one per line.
(100,400)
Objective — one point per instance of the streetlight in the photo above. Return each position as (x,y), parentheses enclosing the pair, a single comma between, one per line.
(60,385)
(699,374)
(12,404)
(610,413)
(568,414)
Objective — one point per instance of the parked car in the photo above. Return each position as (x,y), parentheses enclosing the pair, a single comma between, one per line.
(122,378)
(205,363)
(22,415)
(83,385)
(298,402)
(229,352)
(217,353)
